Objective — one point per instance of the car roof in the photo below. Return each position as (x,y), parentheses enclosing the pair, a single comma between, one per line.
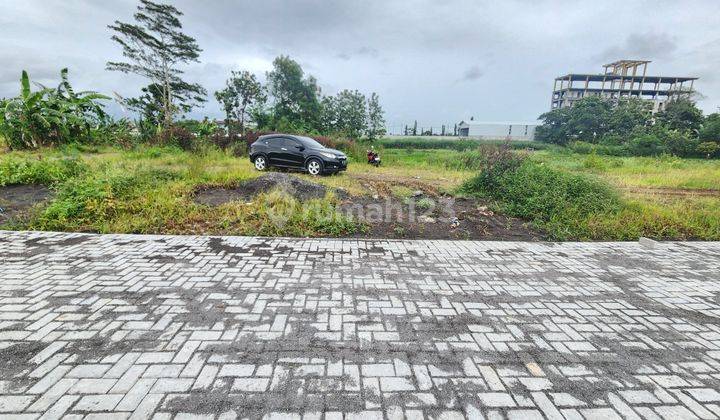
(267,136)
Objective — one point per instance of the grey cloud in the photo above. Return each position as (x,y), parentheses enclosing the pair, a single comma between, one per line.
(473,73)
(419,55)
(359,52)
(642,46)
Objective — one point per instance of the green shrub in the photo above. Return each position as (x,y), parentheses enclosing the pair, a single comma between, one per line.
(425,203)
(497,161)
(238,149)
(593,161)
(179,137)
(709,149)
(646,145)
(711,128)
(600,149)
(553,199)
(82,202)
(117,133)
(39,171)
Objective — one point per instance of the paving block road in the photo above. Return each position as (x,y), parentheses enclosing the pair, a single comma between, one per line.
(123,326)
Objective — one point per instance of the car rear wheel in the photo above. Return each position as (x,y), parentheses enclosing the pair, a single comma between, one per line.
(260,163)
(314,167)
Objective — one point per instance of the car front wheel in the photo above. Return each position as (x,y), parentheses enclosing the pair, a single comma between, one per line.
(260,163)
(314,167)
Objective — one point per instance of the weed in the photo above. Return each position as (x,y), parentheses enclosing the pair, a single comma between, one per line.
(553,199)
(594,162)
(424,203)
(16,170)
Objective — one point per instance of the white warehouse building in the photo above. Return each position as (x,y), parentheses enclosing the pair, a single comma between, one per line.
(498,130)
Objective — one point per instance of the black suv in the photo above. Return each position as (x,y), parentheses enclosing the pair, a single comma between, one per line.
(289,151)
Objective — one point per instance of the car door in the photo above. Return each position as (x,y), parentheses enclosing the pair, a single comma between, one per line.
(274,151)
(293,153)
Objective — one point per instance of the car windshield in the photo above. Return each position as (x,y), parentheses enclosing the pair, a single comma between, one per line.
(308,142)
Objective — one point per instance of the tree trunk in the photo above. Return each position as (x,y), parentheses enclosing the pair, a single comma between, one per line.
(168,104)
(167,96)
(242,122)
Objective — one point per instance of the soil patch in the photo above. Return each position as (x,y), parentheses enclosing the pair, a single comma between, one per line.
(428,214)
(298,188)
(382,185)
(17,199)
(427,217)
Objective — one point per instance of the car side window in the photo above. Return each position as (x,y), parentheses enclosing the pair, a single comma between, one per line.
(291,144)
(274,142)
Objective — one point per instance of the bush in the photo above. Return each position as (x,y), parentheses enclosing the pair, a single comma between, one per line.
(177,136)
(39,171)
(117,133)
(553,199)
(711,128)
(238,149)
(600,149)
(679,143)
(593,161)
(86,202)
(646,145)
(497,161)
(709,149)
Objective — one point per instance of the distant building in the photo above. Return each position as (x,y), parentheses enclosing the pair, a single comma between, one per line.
(497,130)
(624,78)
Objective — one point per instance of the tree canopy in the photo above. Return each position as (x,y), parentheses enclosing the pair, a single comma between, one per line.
(155,48)
(681,114)
(629,124)
(241,94)
(295,95)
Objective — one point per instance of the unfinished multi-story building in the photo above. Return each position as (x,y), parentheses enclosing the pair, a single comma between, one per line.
(624,78)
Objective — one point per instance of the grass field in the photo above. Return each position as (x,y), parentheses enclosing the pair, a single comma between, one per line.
(149,190)
(665,197)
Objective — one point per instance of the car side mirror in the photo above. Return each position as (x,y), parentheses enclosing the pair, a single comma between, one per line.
(300,148)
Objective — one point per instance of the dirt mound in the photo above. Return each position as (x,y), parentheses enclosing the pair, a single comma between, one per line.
(16,199)
(298,188)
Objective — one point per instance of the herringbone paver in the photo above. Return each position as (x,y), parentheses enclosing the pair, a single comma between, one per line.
(105,326)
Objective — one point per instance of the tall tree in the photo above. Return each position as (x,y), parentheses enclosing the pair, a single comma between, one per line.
(328,114)
(155,48)
(296,96)
(351,112)
(242,92)
(376,118)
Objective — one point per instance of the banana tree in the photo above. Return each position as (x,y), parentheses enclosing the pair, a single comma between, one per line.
(49,116)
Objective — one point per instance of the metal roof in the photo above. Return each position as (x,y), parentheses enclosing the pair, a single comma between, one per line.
(648,79)
(499,123)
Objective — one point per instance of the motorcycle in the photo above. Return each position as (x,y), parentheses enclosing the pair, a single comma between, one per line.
(373,158)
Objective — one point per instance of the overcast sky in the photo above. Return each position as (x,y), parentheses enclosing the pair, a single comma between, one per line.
(431,60)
